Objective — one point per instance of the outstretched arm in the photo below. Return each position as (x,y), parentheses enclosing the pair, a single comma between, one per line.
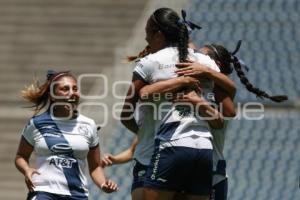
(123,157)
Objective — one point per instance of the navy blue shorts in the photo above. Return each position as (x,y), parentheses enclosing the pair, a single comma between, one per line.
(220,190)
(139,173)
(181,169)
(50,196)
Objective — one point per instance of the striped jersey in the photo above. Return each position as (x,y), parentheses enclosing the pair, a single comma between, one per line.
(161,117)
(61,148)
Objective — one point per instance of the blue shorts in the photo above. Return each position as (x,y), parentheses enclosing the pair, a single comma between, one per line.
(50,196)
(181,169)
(220,190)
(139,173)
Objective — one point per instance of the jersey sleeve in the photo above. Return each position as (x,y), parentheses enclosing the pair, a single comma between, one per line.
(144,69)
(28,132)
(94,139)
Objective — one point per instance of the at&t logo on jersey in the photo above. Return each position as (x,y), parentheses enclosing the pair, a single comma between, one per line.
(64,162)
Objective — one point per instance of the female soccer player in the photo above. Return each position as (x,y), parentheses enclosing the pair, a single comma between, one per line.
(180,130)
(227,61)
(62,140)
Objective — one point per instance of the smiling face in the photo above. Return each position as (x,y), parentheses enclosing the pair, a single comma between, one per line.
(65,90)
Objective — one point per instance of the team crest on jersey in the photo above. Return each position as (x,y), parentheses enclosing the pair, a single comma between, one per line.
(83,130)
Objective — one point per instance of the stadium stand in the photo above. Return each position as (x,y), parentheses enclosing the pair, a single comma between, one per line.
(263,158)
(62,35)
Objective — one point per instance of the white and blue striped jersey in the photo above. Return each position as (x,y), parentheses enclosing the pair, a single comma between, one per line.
(61,148)
(158,67)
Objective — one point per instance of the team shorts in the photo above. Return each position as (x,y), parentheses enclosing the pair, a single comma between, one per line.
(220,190)
(139,173)
(180,169)
(38,195)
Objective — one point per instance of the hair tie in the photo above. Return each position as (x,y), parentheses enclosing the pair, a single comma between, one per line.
(237,48)
(242,63)
(190,25)
(51,74)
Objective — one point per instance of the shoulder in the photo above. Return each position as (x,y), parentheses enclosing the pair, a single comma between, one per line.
(158,56)
(86,120)
(29,125)
(206,60)
(202,57)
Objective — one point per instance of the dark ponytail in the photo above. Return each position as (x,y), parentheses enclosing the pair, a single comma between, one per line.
(224,58)
(175,30)
(259,93)
(183,39)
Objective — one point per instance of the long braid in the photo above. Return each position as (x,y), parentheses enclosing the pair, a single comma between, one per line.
(259,93)
(183,39)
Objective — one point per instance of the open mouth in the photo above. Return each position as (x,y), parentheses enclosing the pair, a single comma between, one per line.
(72,101)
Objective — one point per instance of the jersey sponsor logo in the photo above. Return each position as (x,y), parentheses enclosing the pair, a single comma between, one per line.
(51,135)
(141,173)
(61,148)
(155,166)
(62,162)
(161,179)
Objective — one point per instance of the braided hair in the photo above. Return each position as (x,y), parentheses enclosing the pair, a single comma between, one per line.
(171,26)
(225,58)
(175,30)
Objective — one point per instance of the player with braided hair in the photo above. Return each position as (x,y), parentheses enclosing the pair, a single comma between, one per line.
(167,36)
(225,58)
(227,61)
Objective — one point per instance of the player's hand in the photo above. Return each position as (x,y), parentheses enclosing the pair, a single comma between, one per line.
(192,69)
(107,160)
(28,178)
(191,97)
(109,186)
(191,82)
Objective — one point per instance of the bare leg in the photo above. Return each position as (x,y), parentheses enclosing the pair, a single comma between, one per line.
(179,196)
(137,194)
(197,197)
(154,194)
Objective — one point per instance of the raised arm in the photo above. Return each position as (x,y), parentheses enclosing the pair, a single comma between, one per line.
(198,70)
(123,157)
